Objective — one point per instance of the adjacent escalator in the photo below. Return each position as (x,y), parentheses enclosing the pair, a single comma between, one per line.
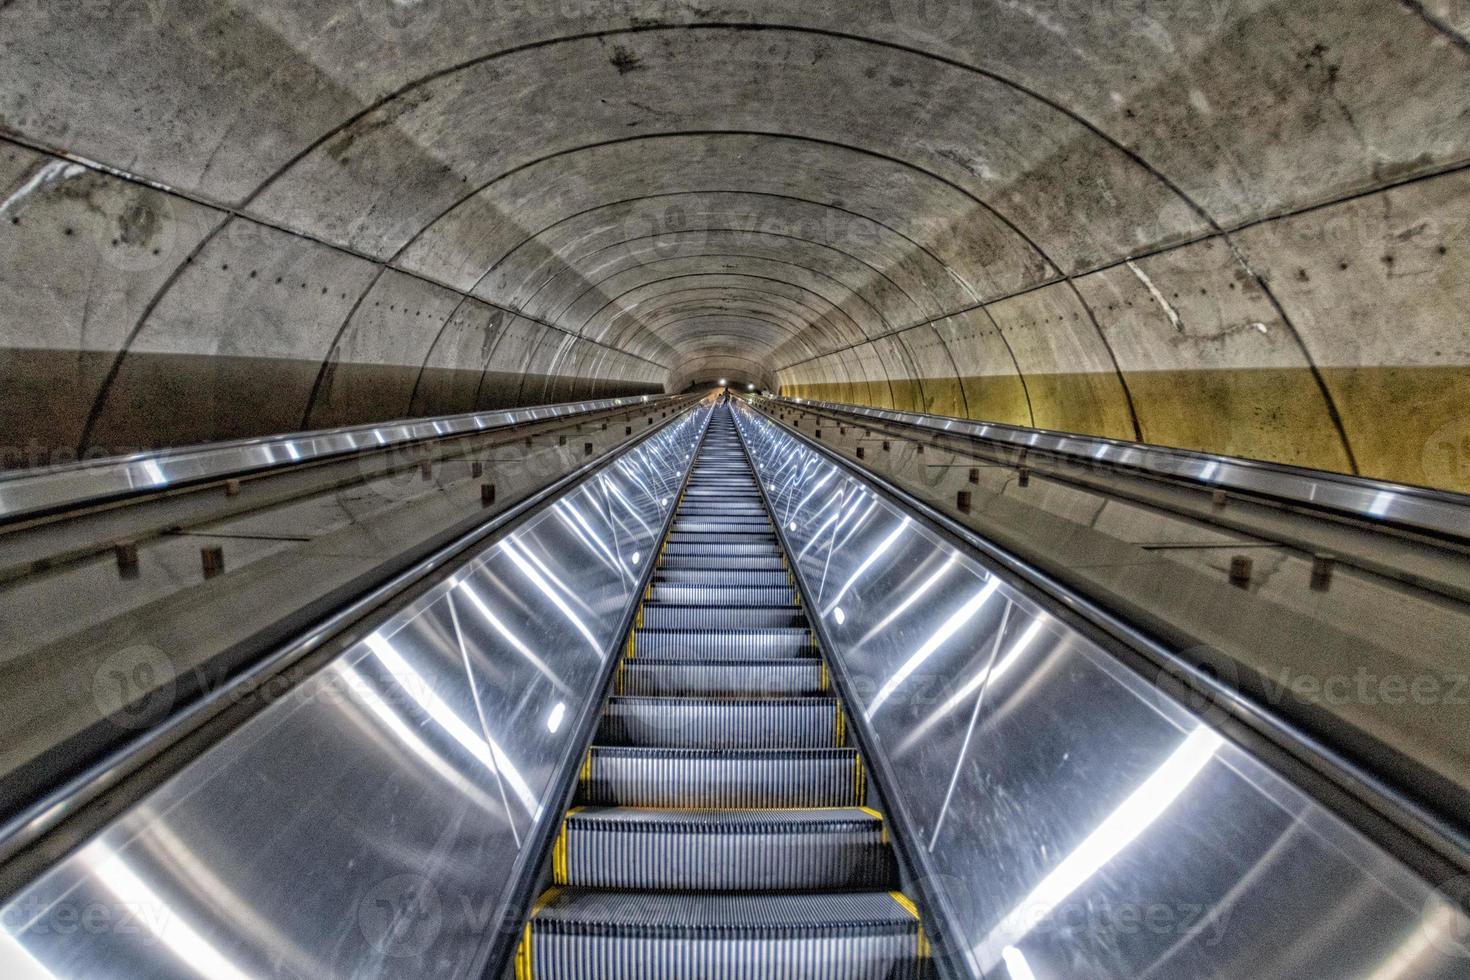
(720,826)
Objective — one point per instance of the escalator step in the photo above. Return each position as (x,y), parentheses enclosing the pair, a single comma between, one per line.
(723,723)
(720,576)
(611,935)
(681,617)
(764,562)
(726,644)
(715,778)
(713,850)
(708,525)
(655,678)
(724,595)
(697,549)
(765,536)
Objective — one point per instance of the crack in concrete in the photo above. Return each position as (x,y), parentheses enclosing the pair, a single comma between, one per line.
(1448,31)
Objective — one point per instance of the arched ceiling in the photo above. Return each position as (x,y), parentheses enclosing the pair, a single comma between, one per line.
(1047,213)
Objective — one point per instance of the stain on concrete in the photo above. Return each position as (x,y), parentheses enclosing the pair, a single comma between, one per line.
(625,61)
(341,145)
(137,224)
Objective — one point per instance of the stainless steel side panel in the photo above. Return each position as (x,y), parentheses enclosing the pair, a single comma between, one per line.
(1079,822)
(1436,511)
(35,491)
(366,825)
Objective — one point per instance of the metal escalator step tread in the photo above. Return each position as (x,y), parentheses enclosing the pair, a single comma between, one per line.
(707,526)
(721,576)
(720,916)
(714,778)
(694,549)
(714,850)
(664,677)
(622,935)
(722,723)
(699,594)
(678,616)
(771,562)
(724,644)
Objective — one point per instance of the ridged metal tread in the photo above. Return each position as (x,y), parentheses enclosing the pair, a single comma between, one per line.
(720,576)
(611,935)
(720,645)
(723,723)
(735,531)
(655,615)
(795,677)
(762,562)
(702,594)
(721,550)
(724,850)
(770,915)
(765,537)
(722,779)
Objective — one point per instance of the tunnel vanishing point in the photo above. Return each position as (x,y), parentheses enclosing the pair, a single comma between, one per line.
(1234,226)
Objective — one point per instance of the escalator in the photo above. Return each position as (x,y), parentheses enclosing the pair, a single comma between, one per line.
(720,826)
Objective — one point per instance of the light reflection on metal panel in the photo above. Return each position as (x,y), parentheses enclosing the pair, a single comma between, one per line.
(367,824)
(28,492)
(1439,511)
(1077,820)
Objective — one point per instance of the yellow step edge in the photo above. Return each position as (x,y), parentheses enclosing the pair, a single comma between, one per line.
(523,955)
(922,949)
(559,874)
(524,970)
(906,902)
(881,819)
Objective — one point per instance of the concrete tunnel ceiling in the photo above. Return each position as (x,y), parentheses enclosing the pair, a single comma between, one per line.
(1232,226)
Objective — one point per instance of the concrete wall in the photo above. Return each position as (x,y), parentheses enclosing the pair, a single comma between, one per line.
(1233,225)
